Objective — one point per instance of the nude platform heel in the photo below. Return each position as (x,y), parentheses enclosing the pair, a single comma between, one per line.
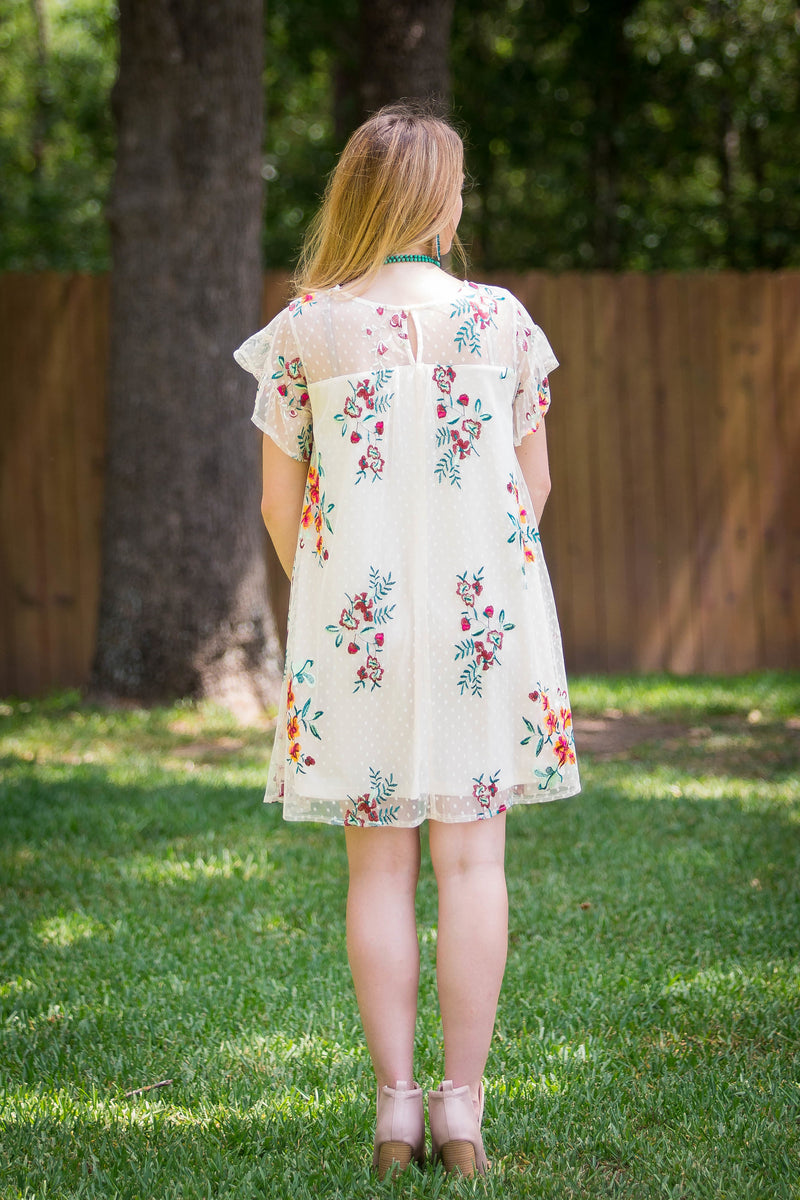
(399,1129)
(456,1129)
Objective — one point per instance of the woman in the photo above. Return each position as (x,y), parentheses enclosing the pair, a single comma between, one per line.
(404,475)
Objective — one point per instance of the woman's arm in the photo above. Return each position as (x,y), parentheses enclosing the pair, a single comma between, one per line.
(532,458)
(284,481)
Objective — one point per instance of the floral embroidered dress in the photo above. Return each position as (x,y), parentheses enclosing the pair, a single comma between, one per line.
(424,674)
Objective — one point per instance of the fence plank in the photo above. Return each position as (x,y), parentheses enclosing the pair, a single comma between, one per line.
(89,313)
(55,452)
(678,503)
(29,311)
(7,442)
(702,384)
(738,628)
(642,464)
(783,644)
(577,443)
(757,322)
(605,352)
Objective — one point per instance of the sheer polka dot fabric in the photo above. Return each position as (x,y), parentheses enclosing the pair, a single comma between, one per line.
(424,674)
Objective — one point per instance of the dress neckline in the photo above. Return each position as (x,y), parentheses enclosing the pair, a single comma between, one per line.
(375,304)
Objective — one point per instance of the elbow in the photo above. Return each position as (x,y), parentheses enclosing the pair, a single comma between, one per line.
(542,489)
(268,509)
(539,496)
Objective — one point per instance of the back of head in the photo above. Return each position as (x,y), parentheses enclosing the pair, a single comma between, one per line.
(395,186)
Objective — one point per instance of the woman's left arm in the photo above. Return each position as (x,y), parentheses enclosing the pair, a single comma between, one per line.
(532,458)
(282,490)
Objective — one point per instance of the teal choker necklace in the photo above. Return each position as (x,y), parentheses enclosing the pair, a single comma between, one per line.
(393,258)
(437,262)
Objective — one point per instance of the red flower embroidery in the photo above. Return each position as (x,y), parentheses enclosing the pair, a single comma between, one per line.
(348,619)
(443,378)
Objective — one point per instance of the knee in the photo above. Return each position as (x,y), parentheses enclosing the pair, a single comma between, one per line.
(462,871)
(460,852)
(384,861)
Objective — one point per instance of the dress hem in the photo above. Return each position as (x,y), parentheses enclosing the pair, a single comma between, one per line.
(515,801)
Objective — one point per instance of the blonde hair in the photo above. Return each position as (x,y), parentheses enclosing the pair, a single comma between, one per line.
(394,187)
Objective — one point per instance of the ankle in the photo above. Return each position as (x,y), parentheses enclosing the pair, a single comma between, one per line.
(475,1090)
(404,1083)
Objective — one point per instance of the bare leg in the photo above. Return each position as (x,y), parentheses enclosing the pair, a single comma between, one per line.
(382,944)
(469,862)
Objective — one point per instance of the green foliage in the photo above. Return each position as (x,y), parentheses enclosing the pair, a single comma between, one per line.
(644,135)
(56,134)
(303,47)
(638,134)
(160,924)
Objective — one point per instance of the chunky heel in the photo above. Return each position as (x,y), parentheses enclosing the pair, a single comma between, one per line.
(399,1128)
(459,1156)
(456,1129)
(394,1157)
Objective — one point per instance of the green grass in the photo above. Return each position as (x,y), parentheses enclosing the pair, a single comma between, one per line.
(159,923)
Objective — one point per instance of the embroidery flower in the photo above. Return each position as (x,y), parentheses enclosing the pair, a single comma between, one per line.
(484,640)
(443,378)
(525,534)
(458,434)
(300,719)
(360,618)
(371,461)
(553,734)
(348,619)
(365,392)
(397,321)
(372,808)
(467,591)
(476,312)
(316,511)
(292,386)
(484,792)
(371,671)
(362,418)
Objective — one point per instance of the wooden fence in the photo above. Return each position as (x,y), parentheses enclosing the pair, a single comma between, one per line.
(673,530)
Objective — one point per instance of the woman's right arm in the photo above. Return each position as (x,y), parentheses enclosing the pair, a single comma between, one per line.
(282,490)
(532,458)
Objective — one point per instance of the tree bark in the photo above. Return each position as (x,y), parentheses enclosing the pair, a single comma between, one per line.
(183,609)
(405,52)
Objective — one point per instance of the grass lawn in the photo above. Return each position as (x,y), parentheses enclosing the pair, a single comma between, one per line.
(159,923)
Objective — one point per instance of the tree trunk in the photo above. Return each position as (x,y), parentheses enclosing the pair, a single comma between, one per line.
(405,52)
(183,607)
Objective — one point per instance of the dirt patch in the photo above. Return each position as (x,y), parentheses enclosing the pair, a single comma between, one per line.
(748,745)
(615,732)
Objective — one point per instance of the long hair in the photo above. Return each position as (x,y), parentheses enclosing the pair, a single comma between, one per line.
(393,187)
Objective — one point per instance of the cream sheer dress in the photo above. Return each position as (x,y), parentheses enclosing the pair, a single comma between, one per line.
(424,673)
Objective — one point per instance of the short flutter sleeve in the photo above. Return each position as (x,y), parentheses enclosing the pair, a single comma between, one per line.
(535,360)
(282,409)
